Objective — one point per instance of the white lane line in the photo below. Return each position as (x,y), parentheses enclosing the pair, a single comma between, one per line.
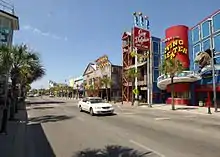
(162,118)
(80,118)
(146,148)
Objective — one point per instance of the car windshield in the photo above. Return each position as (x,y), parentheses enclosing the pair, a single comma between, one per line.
(96,101)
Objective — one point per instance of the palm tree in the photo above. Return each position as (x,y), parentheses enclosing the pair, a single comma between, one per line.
(131,74)
(29,74)
(24,60)
(106,81)
(172,67)
(5,65)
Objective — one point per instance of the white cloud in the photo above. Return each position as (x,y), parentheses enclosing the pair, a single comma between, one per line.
(42,33)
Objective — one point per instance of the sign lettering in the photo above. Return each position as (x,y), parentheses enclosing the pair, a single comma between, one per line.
(176,46)
(141,38)
(102,62)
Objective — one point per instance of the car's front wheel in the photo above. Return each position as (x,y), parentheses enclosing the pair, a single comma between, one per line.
(80,109)
(91,112)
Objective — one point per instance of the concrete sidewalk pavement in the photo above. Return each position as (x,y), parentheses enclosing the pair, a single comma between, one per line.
(165,107)
(13,144)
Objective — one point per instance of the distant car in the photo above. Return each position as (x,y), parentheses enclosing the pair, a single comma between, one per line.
(95,106)
(51,95)
(31,95)
(36,95)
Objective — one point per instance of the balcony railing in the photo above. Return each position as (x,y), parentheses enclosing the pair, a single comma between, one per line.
(183,74)
(7,7)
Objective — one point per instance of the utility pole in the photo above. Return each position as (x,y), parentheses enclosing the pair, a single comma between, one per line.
(213,66)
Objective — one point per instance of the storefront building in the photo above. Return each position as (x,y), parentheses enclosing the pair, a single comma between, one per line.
(204,34)
(103,79)
(77,86)
(191,47)
(9,23)
(129,62)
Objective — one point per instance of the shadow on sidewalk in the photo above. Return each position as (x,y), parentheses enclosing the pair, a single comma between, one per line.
(49,118)
(187,108)
(112,151)
(37,144)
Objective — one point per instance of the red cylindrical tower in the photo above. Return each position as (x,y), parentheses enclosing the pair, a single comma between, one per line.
(177,44)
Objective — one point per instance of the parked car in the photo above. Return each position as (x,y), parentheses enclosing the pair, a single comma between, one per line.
(51,95)
(36,95)
(30,95)
(95,106)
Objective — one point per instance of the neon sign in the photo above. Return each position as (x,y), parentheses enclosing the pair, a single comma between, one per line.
(174,47)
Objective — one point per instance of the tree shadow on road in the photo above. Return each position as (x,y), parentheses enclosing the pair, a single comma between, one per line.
(49,118)
(112,151)
(37,144)
(43,102)
(42,108)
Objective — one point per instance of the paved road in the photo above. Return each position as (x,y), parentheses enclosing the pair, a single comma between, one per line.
(59,129)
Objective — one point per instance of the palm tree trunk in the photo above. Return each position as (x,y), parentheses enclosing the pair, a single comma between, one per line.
(172,93)
(106,91)
(13,103)
(132,94)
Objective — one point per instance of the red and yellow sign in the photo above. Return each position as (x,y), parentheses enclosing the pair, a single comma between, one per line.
(174,47)
(102,62)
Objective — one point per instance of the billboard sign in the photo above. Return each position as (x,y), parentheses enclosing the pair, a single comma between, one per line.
(102,62)
(141,38)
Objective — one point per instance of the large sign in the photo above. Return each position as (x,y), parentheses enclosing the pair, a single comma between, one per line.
(174,47)
(102,62)
(141,38)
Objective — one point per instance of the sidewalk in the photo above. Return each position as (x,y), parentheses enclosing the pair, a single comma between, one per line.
(187,109)
(13,144)
(165,107)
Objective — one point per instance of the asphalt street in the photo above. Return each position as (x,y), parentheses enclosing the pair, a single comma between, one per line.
(57,128)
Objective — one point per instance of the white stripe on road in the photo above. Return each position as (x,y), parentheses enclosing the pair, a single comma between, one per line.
(162,118)
(146,148)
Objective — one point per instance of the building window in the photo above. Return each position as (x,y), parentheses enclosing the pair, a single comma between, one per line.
(163,45)
(205,29)
(216,22)
(156,75)
(196,49)
(195,34)
(206,44)
(217,60)
(155,47)
(217,43)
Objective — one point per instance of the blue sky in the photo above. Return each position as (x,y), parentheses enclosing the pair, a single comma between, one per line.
(69,34)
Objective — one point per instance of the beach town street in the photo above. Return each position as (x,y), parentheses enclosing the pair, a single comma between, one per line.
(55,127)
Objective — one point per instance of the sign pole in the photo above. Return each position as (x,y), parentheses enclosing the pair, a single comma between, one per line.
(136,71)
(141,40)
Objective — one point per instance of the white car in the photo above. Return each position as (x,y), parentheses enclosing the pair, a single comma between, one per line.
(95,106)
(51,95)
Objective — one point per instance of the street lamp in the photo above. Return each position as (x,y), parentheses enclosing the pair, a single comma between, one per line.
(213,67)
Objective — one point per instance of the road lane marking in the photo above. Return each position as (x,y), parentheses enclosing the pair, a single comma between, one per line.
(162,118)
(146,148)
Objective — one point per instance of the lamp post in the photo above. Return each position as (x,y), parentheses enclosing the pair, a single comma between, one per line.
(213,66)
